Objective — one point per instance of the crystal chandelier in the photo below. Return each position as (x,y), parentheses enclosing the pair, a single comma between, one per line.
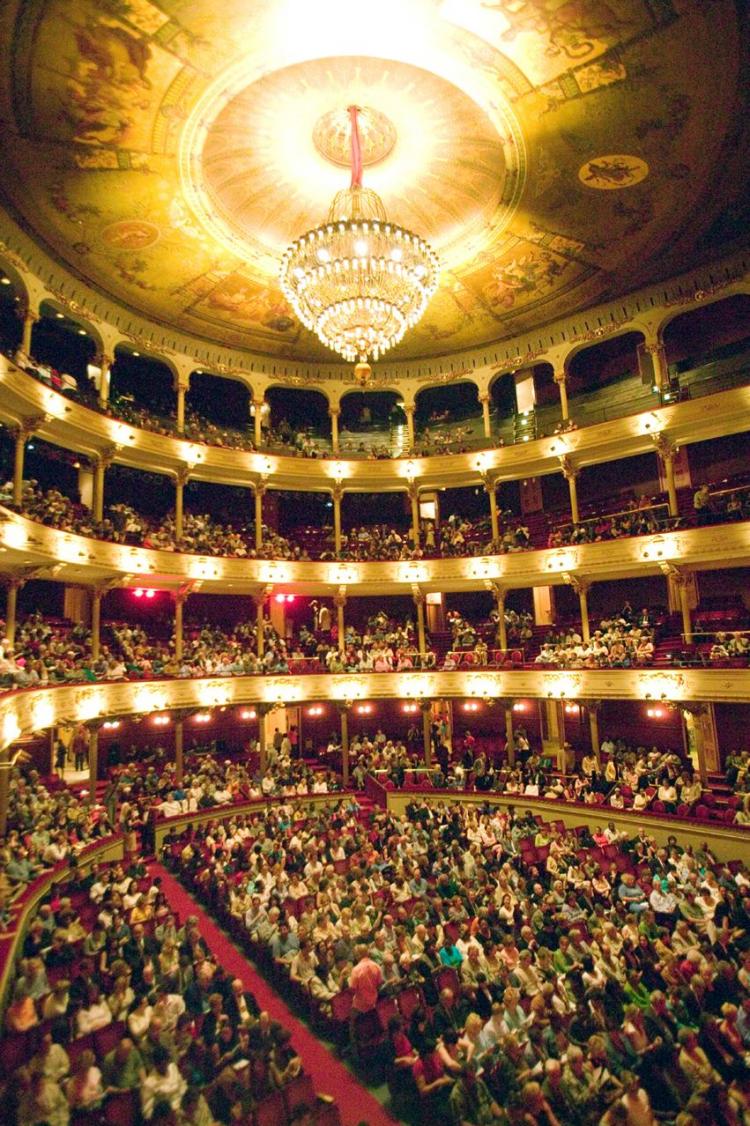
(359,282)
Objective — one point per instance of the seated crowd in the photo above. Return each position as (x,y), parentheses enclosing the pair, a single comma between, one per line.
(621,641)
(612,988)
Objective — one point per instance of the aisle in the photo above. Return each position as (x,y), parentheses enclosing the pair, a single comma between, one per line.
(328,1073)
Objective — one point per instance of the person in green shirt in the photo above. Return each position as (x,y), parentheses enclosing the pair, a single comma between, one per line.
(123,1067)
(471,1103)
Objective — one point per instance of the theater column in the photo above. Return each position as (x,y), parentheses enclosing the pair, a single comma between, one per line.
(179,749)
(260,625)
(666,451)
(581,587)
(485,402)
(593,707)
(510,746)
(6,765)
(653,347)
(426,707)
(337,493)
(21,435)
(182,386)
(180,598)
(101,463)
(419,601)
(410,433)
(93,730)
(489,487)
(181,479)
(260,491)
(12,586)
(344,714)
(29,320)
(97,595)
(263,711)
(561,379)
(502,631)
(677,582)
(414,498)
(570,474)
(339,601)
(258,405)
(333,414)
(105,363)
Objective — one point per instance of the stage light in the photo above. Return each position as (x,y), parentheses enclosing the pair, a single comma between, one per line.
(150,593)
(248,714)
(138,593)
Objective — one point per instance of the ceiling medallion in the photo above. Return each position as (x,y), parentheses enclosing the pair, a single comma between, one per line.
(359,282)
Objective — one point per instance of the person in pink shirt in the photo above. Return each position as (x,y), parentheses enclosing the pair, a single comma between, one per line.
(365,979)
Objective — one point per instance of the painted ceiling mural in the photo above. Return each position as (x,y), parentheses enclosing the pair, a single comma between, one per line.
(555,152)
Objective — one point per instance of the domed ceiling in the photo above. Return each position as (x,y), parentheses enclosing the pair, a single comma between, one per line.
(554,152)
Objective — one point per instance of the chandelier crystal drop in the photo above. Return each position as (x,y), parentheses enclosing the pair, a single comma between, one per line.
(359,282)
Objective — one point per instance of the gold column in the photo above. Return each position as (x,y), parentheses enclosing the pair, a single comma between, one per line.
(593,707)
(101,462)
(257,420)
(561,380)
(344,713)
(105,363)
(181,478)
(419,601)
(6,765)
(260,626)
(502,631)
(410,432)
(581,587)
(426,707)
(666,451)
(414,498)
(182,386)
(263,711)
(12,587)
(180,598)
(511,748)
(485,401)
(656,350)
(489,486)
(339,601)
(93,762)
(179,750)
(333,414)
(96,620)
(337,493)
(260,489)
(29,320)
(21,434)
(678,580)
(570,473)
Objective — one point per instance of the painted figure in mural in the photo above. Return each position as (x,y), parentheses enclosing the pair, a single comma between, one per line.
(572,28)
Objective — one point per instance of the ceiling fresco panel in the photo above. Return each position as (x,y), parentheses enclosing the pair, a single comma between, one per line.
(554,152)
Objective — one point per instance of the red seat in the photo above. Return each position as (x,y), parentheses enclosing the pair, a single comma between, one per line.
(300,1092)
(408,1000)
(271,1111)
(386,1008)
(107,1038)
(121,1109)
(447,978)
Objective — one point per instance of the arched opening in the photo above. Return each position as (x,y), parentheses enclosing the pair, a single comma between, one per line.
(12,296)
(604,381)
(708,348)
(371,420)
(297,417)
(449,417)
(63,345)
(218,401)
(141,387)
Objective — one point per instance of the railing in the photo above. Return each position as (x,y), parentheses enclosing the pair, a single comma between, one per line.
(23,908)
(728,842)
